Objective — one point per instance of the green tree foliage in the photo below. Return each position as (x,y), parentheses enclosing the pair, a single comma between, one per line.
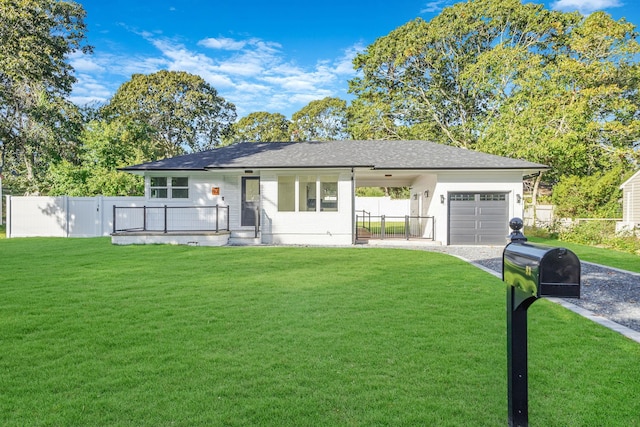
(261,127)
(593,196)
(579,112)
(370,192)
(393,192)
(321,120)
(184,111)
(37,123)
(105,147)
(507,78)
(454,71)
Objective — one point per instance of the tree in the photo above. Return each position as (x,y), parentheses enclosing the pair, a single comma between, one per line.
(321,120)
(597,195)
(507,78)
(455,70)
(185,112)
(37,123)
(579,112)
(106,146)
(261,127)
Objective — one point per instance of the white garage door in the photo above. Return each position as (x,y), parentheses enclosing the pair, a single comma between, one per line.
(478,218)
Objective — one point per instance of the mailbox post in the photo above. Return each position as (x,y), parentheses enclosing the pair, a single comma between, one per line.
(532,271)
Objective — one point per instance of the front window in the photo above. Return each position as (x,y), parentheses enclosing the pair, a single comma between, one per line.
(163,187)
(286,193)
(314,193)
(329,193)
(307,199)
(179,188)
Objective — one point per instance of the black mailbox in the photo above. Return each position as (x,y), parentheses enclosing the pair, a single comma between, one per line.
(531,271)
(541,271)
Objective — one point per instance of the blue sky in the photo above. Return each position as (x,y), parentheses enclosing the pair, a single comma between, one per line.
(273,56)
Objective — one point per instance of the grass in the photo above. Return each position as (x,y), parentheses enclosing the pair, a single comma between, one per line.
(95,334)
(612,258)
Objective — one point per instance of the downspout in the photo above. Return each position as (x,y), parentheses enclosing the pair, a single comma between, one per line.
(353,208)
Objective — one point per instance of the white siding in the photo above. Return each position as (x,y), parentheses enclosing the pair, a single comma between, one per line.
(233,199)
(422,203)
(201,190)
(631,200)
(314,228)
(473,181)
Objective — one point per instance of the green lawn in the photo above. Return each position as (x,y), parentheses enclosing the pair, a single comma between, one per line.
(94,334)
(617,259)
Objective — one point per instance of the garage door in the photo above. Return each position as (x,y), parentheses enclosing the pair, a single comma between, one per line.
(478,218)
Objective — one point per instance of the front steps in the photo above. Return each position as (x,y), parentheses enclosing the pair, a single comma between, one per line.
(244,238)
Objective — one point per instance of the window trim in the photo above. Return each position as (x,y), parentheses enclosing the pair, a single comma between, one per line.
(169,187)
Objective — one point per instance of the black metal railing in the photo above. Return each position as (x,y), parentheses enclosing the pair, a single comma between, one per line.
(256,225)
(394,227)
(170,218)
(363,220)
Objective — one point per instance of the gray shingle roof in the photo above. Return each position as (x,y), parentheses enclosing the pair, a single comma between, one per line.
(337,154)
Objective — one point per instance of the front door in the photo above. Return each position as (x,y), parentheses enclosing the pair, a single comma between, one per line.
(250,201)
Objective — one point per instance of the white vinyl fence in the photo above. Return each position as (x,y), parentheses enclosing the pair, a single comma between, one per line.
(538,216)
(377,206)
(63,216)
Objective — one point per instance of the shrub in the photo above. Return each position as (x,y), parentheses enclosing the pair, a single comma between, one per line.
(542,232)
(592,233)
(600,233)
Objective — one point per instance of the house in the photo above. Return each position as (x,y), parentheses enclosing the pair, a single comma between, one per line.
(630,204)
(304,193)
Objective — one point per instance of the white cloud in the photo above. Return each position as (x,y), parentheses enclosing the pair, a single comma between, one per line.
(222,43)
(433,6)
(344,64)
(257,77)
(84,63)
(253,74)
(126,66)
(88,90)
(584,6)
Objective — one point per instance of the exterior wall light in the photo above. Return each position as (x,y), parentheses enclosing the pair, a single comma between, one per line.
(426,194)
(518,198)
(442,199)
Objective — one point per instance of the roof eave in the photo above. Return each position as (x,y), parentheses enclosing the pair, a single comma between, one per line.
(288,167)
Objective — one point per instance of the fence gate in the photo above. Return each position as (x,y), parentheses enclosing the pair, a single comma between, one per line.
(82,221)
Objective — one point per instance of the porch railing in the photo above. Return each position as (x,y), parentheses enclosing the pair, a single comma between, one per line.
(170,218)
(394,227)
